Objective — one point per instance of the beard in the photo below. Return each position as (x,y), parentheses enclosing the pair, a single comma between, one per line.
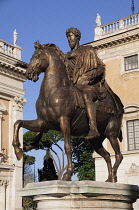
(72,44)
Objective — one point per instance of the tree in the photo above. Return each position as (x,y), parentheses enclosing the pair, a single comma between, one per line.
(28,177)
(48,171)
(46,140)
(27,171)
(84,164)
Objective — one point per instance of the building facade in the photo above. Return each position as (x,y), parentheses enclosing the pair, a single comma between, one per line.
(11,109)
(117,44)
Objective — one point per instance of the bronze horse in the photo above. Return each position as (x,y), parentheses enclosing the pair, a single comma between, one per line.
(60,107)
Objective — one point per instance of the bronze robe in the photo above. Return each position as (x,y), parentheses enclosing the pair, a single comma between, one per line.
(85,68)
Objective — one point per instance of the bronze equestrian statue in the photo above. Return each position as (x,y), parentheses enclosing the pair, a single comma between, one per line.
(72,84)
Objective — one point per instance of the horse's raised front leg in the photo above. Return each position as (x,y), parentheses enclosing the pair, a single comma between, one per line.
(65,129)
(33,125)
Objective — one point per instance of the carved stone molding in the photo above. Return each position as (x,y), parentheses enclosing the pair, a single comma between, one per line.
(12,71)
(116,39)
(134,169)
(19,102)
(2,107)
(117,42)
(131,75)
(10,89)
(4,182)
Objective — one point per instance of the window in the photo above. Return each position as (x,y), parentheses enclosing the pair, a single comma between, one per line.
(131,62)
(133,134)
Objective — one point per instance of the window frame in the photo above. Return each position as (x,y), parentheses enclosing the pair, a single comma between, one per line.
(134,142)
(124,72)
(129,60)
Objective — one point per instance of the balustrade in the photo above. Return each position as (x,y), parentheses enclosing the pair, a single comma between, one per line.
(11,50)
(116,26)
(120,24)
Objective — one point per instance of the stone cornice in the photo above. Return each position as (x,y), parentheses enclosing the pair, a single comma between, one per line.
(12,71)
(10,90)
(115,40)
(8,67)
(6,167)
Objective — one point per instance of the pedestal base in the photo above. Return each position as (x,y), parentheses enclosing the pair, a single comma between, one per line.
(81,195)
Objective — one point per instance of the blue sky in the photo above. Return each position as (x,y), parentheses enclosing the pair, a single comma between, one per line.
(47,21)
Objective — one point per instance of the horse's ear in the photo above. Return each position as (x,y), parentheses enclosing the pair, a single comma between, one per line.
(37,45)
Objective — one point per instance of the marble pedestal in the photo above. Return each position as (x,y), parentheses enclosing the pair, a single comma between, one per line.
(81,195)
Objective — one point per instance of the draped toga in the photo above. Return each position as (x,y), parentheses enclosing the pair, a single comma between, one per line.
(85,68)
(82,65)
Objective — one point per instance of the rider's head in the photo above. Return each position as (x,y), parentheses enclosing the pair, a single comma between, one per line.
(73,36)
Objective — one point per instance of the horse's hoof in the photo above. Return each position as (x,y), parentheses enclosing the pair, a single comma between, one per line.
(66,177)
(112,179)
(108,180)
(19,153)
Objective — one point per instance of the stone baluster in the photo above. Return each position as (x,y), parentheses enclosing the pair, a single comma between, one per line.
(5,48)
(121,24)
(131,20)
(117,25)
(110,27)
(126,23)
(137,18)
(107,29)
(1,46)
(103,30)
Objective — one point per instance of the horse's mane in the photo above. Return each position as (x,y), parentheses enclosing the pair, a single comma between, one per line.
(56,49)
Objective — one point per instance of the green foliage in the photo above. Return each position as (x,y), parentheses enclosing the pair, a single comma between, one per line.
(48,171)
(46,141)
(28,160)
(87,170)
(84,164)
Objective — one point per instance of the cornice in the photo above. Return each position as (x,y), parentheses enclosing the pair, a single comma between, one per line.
(6,167)
(115,40)
(10,90)
(12,71)
(8,67)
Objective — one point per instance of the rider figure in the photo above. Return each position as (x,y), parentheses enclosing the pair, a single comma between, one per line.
(87,73)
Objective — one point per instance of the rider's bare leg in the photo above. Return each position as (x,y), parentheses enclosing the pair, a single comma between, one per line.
(91,112)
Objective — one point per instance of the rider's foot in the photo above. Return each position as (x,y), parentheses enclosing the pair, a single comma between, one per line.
(93,133)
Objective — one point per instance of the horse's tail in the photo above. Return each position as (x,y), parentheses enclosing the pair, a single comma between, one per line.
(120,136)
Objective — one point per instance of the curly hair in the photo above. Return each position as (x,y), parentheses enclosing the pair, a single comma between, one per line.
(75,31)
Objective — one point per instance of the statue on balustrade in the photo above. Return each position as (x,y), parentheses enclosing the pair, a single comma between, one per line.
(74,99)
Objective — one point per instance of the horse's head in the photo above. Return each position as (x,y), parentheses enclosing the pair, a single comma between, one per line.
(38,63)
